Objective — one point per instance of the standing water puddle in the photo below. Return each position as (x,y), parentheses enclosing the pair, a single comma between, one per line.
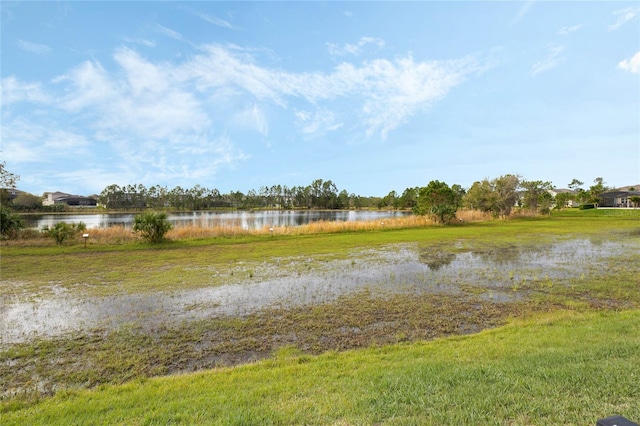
(398,268)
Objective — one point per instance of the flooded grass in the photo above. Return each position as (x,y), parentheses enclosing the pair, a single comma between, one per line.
(358,320)
(211,309)
(499,274)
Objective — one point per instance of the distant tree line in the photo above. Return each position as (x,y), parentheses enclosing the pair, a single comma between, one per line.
(500,196)
(437,199)
(320,194)
(497,196)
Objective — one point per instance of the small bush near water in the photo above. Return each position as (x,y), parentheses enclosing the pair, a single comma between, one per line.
(152,226)
(10,223)
(63,231)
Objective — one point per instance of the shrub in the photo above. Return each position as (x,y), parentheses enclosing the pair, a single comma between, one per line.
(10,223)
(62,231)
(587,206)
(152,226)
(438,200)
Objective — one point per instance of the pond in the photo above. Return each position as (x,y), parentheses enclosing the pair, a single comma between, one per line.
(497,274)
(209,219)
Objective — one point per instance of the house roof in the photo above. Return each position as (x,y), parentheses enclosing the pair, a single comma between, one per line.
(63,195)
(616,193)
(627,188)
(13,192)
(56,194)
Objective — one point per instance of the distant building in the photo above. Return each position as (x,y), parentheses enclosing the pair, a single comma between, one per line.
(619,197)
(556,191)
(52,198)
(12,193)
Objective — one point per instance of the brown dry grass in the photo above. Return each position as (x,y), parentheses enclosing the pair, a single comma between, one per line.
(522,212)
(473,216)
(319,227)
(100,236)
(112,235)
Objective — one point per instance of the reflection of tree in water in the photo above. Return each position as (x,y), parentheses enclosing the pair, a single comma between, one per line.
(436,259)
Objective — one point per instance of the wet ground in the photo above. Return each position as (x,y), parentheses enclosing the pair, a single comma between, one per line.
(495,274)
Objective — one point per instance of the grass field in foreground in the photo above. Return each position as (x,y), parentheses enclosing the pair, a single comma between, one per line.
(568,368)
(557,368)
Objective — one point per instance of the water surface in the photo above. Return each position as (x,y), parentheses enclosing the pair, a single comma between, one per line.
(209,219)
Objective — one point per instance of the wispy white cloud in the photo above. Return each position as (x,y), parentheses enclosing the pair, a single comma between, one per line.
(524,9)
(90,84)
(197,157)
(395,91)
(142,41)
(25,140)
(625,15)
(37,48)
(253,118)
(14,90)
(64,141)
(215,20)
(218,68)
(552,60)
(632,64)
(388,91)
(171,121)
(317,123)
(150,119)
(19,142)
(153,103)
(354,48)
(145,101)
(169,32)
(141,75)
(568,30)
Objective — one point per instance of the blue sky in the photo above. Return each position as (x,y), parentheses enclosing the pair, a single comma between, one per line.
(375,96)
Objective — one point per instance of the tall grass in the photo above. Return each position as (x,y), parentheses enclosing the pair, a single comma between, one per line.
(473,216)
(318,227)
(321,227)
(102,236)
